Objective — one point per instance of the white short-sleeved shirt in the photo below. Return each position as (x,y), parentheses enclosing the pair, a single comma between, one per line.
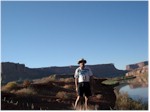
(83,75)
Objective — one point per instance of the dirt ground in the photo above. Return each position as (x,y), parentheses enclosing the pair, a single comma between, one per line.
(47,99)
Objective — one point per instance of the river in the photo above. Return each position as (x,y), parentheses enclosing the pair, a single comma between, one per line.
(136,88)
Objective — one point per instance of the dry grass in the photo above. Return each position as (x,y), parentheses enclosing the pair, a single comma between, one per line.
(45,79)
(69,80)
(25,91)
(82,107)
(69,86)
(66,80)
(123,102)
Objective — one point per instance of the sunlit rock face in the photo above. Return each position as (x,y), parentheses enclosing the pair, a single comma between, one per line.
(141,73)
(137,65)
(137,69)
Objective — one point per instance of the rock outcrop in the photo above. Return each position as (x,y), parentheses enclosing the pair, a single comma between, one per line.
(16,71)
(137,69)
(137,65)
(140,70)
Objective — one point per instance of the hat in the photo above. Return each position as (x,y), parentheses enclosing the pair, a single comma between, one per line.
(82,60)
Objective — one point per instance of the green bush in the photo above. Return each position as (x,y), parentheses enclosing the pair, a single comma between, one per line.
(9,86)
(110,82)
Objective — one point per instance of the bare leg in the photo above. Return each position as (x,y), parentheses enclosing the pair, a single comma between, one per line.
(76,102)
(86,103)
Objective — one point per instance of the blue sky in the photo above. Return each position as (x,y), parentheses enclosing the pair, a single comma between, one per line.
(43,34)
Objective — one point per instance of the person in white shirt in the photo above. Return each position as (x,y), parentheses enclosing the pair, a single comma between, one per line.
(83,82)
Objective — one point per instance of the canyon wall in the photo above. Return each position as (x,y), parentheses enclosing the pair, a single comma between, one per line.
(16,71)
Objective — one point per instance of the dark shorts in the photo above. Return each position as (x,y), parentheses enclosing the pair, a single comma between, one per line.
(84,89)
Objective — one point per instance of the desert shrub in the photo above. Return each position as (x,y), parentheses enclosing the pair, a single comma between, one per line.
(43,89)
(26,83)
(69,86)
(45,79)
(62,80)
(66,79)
(52,77)
(26,91)
(98,96)
(69,80)
(64,95)
(9,86)
(123,102)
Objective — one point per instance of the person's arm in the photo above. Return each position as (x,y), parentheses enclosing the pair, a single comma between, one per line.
(76,83)
(76,76)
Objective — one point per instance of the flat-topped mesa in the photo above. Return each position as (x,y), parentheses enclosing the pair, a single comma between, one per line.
(137,65)
(99,70)
(105,70)
(16,71)
(9,67)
